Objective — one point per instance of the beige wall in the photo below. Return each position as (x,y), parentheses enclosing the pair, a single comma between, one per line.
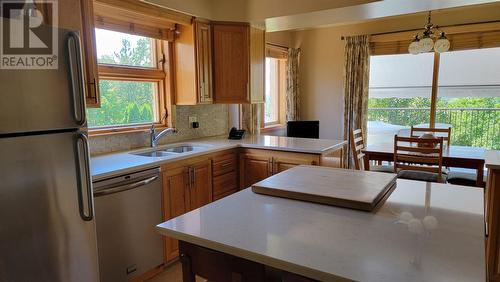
(321,70)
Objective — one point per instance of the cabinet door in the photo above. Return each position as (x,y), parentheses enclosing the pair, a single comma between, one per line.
(204,62)
(175,202)
(254,168)
(83,22)
(283,163)
(231,63)
(201,184)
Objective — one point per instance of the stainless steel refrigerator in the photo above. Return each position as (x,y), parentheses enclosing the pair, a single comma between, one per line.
(47,228)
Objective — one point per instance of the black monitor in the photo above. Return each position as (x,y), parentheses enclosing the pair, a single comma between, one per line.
(303,129)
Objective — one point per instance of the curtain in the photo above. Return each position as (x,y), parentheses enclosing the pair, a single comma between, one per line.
(356,79)
(292,85)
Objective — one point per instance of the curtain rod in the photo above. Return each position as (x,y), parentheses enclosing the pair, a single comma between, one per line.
(417,29)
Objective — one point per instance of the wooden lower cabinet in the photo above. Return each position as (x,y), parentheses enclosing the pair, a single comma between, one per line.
(254,167)
(257,165)
(185,187)
(225,174)
(492,201)
(176,201)
(201,186)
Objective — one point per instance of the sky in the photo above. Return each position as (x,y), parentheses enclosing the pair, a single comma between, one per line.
(108,42)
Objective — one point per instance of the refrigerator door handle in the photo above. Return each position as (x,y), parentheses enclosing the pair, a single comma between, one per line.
(77,77)
(83,172)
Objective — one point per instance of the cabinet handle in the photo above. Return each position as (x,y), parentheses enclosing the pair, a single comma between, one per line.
(225,164)
(189,177)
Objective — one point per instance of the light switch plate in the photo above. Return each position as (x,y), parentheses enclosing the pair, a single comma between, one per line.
(193,119)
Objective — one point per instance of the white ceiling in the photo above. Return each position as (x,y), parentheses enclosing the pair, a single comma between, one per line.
(281,15)
(363,13)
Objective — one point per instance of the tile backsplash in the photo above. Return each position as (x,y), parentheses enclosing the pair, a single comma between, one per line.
(213,120)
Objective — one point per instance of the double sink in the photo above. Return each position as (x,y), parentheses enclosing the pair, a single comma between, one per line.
(172,151)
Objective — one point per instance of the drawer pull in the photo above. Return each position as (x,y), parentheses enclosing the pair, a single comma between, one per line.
(225,164)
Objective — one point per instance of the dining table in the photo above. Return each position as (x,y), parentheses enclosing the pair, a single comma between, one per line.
(453,156)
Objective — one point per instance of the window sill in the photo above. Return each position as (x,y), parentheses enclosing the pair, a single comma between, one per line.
(122,130)
(272,127)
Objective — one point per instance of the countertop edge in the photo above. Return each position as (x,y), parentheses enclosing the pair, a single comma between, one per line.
(217,148)
(493,159)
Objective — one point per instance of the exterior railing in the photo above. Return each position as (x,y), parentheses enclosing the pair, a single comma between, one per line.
(478,127)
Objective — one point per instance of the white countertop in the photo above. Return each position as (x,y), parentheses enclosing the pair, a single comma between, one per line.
(329,243)
(493,159)
(109,165)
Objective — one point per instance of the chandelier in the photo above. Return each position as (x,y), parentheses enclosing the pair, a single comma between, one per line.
(425,42)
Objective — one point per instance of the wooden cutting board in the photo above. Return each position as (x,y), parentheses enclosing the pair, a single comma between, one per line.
(362,190)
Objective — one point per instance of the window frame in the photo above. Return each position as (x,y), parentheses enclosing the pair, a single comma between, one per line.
(279,53)
(397,43)
(160,74)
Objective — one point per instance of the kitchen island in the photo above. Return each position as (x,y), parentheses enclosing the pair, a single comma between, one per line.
(423,232)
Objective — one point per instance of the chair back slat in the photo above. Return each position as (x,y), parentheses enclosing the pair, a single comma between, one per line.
(419,154)
(445,133)
(418,149)
(357,144)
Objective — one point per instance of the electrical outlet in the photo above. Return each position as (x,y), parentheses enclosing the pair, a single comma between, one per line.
(193,119)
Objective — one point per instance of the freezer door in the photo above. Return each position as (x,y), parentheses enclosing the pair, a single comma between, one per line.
(47,232)
(39,100)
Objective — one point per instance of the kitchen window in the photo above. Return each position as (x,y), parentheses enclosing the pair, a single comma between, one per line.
(273,113)
(131,82)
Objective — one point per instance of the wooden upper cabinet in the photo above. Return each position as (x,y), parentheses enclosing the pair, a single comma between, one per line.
(203,41)
(231,43)
(238,63)
(83,22)
(193,64)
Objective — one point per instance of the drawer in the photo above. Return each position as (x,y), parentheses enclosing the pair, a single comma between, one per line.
(224,164)
(224,183)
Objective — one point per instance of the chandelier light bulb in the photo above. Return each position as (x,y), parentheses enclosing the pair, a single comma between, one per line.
(426,44)
(414,47)
(442,44)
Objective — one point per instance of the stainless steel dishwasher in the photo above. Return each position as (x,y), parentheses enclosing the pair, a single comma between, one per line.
(127,209)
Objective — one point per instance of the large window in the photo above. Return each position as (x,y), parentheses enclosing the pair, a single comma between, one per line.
(400,94)
(467,95)
(275,83)
(272,105)
(131,82)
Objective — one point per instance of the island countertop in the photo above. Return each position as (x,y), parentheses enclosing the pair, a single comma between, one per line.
(424,232)
(114,164)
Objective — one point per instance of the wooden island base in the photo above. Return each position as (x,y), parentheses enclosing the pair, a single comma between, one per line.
(216,266)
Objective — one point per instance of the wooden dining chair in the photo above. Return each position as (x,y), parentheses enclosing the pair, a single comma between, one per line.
(357,145)
(419,158)
(437,132)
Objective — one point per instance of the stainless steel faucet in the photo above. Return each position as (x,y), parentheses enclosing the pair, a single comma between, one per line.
(154,138)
